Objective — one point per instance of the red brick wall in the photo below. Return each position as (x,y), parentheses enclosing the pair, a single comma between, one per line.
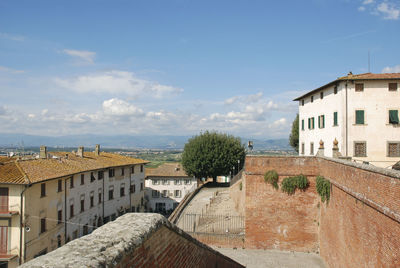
(166,248)
(359,227)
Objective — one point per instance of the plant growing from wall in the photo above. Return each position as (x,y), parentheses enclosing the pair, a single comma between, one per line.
(290,184)
(240,186)
(323,188)
(272,177)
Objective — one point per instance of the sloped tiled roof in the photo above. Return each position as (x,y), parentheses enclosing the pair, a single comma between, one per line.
(364,76)
(37,170)
(167,170)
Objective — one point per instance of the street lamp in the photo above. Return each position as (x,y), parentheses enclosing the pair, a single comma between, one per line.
(238,166)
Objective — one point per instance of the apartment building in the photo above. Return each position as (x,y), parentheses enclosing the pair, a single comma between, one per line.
(166,186)
(360,111)
(59,196)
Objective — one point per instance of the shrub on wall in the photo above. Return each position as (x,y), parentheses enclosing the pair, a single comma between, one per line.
(272,177)
(290,184)
(323,188)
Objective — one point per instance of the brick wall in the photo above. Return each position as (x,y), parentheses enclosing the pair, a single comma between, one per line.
(359,227)
(237,192)
(135,240)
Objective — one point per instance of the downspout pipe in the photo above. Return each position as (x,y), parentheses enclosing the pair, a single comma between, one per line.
(65,211)
(21,225)
(347,122)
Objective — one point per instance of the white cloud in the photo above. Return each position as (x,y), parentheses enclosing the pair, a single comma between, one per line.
(389,11)
(83,55)
(117,82)
(10,70)
(394,69)
(279,123)
(3,110)
(13,37)
(367,2)
(120,108)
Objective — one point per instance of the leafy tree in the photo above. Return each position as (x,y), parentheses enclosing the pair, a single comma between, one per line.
(212,154)
(294,135)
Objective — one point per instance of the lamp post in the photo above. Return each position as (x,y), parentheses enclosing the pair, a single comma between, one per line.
(238,166)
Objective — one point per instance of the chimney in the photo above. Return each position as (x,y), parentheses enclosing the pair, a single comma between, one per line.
(80,151)
(97,150)
(43,152)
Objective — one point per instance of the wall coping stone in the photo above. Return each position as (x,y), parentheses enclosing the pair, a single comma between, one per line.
(107,245)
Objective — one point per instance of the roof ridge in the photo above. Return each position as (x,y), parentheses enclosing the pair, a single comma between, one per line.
(22,172)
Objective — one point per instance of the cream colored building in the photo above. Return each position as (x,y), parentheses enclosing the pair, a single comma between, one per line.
(360,111)
(58,197)
(166,186)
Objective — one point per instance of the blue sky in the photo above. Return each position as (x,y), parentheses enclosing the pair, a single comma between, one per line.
(181,67)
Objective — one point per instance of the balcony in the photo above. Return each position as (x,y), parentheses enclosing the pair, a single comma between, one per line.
(9,211)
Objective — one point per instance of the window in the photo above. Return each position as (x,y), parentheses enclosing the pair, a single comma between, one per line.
(111,193)
(311,148)
(141,186)
(100,175)
(91,199)
(311,123)
(393,149)
(359,87)
(43,190)
(188,182)
(302,124)
(58,241)
(99,197)
(82,179)
(302,102)
(165,182)
(71,182)
(178,182)
(392,86)
(321,121)
(335,121)
(92,178)
(122,171)
(122,190)
(133,189)
(321,95)
(71,210)
(155,193)
(335,90)
(360,148)
(133,169)
(393,117)
(59,184)
(164,193)
(82,205)
(156,182)
(312,98)
(178,193)
(111,172)
(141,168)
(302,148)
(59,216)
(85,229)
(359,117)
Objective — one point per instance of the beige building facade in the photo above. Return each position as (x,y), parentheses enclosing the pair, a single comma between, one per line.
(360,111)
(49,201)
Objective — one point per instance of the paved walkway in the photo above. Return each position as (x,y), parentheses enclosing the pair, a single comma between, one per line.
(258,258)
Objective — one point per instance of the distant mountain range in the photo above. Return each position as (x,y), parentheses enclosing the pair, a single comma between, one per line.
(123,141)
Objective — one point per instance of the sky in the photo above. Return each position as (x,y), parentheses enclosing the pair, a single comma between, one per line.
(180,67)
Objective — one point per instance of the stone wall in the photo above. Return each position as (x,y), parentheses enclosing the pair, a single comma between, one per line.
(237,192)
(135,240)
(359,227)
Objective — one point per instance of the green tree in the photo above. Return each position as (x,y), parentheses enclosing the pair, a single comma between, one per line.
(212,154)
(294,135)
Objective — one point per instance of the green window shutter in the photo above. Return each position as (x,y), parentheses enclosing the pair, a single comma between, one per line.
(359,117)
(319,121)
(302,124)
(313,126)
(335,123)
(393,117)
(323,121)
(309,123)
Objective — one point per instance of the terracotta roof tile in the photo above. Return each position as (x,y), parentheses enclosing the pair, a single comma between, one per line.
(10,173)
(167,170)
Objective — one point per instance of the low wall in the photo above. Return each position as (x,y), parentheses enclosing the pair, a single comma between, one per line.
(358,227)
(135,240)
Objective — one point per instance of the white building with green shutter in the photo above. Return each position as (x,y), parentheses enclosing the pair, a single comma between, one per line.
(360,111)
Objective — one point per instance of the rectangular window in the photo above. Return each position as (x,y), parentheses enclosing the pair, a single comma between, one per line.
(111,193)
(156,182)
(91,199)
(359,117)
(111,172)
(42,225)
(141,168)
(100,175)
(82,205)
(309,123)
(71,211)
(311,148)
(177,182)
(165,182)
(43,190)
(393,149)
(360,148)
(122,171)
(133,169)
(302,124)
(99,197)
(71,182)
(122,191)
(59,186)
(312,98)
(312,123)
(164,193)
(321,121)
(392,86)
(59,216)
(133,187)
(335,90)
(335,121)
(359,87)
(302,148)
(302,102)
(393,117)
(82,179)
(187,182)
(155,193)
(178,193)
(92,178)
(321,95)
(141,186)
